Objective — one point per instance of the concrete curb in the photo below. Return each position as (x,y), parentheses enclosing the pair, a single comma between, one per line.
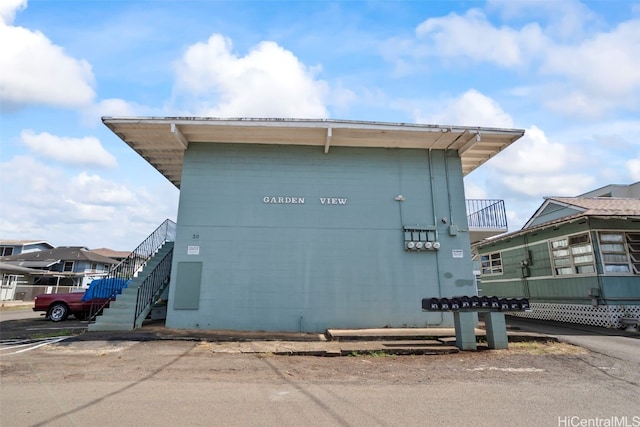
(335,342)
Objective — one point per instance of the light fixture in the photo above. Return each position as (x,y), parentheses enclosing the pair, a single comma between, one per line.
(399,198)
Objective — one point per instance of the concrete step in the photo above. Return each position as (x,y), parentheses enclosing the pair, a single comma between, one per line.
(392,334)
(110,326)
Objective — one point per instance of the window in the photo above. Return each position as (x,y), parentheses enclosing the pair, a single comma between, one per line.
(572,255)
(620,252)
(68,266)
(6,250)
(491,263)
(633,243)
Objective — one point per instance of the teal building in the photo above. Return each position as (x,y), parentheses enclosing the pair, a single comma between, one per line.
(304,225)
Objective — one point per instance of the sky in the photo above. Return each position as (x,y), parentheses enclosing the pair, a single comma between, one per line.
(567,72)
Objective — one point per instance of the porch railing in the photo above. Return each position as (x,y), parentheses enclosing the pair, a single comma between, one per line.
(488,214)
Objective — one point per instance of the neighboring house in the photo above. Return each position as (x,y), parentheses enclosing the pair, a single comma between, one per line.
(109,253)
(61,269)
(577,259)
(16,247)
(304,225)
(14,280)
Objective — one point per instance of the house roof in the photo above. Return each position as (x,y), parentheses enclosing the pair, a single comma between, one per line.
(162,141)
(110,253)
(52,256)
(590,206)
(24,242)
(17,269)
(584,207)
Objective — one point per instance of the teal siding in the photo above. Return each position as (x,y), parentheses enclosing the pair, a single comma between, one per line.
(621,289)
(541,285)
(312,266)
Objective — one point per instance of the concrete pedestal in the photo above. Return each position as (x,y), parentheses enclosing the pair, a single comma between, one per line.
(496,328)
(464,323)
(495,324)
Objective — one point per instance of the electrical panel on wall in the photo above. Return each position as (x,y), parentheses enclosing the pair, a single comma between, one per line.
(420,238)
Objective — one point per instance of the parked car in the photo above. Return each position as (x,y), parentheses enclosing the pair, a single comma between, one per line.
(58,307)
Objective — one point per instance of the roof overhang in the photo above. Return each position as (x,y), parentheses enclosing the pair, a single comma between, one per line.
(35,264)
(162,141)
(16,269)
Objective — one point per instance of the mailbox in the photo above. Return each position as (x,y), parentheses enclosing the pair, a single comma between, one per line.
(494,303)
(523,304)
(484,302)
(475,301)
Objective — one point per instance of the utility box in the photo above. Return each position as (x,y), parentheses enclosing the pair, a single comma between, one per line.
(159,312)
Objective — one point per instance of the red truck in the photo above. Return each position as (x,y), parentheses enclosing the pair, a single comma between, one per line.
(59,306)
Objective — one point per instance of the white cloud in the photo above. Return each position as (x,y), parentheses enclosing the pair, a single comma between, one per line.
(35,71)
(472,108)
(535,167)
(473,36)
(633,166)
(85,151)
(582,72)
(474,191)
(567,185)
(114,107)
(603,70)
(268,82)
(562,19)
(533,154)
(83,209)
(9,8)
(99,191)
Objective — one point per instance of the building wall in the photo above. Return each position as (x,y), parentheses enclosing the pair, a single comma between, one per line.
(243,260)
(8,250)
(563,297)
(616,190)
(551,213)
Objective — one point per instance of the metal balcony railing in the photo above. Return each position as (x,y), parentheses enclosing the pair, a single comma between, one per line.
(486,214)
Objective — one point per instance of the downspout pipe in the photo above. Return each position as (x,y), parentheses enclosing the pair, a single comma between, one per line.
(435,224)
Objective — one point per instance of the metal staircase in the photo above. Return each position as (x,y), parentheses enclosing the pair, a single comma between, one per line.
(149,269)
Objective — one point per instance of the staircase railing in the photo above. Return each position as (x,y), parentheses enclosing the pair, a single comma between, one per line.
(137,259)
(151,287)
